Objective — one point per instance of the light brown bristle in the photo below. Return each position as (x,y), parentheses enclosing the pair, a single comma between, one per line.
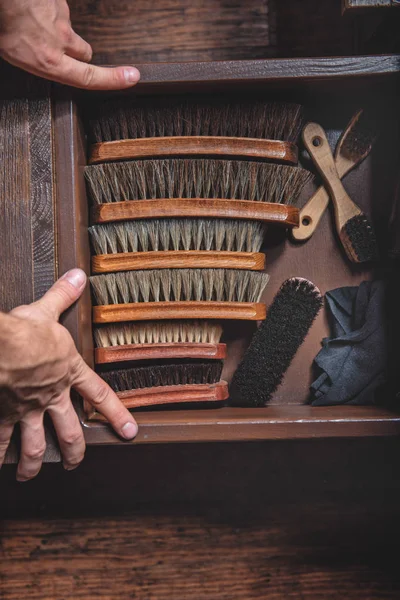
(149,235)
(158,332)
(127,119)
(195,178)
(169,285)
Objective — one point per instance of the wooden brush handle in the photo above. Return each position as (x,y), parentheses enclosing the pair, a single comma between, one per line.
(149,311)
(196,207)
(275,150)
(178,259)
(318,147)
(170,394)
(312,211)
(129,352)
(310,215)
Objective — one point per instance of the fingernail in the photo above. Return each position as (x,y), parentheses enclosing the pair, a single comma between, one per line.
(131,75)
(129,430)
(70,467)
(76,277)
(22,479)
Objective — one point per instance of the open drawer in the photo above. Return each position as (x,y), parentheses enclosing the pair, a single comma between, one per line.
(330,90)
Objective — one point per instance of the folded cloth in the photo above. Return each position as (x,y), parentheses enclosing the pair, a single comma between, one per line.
(352,363)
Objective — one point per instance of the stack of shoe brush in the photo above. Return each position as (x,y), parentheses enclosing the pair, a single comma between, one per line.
(176,235)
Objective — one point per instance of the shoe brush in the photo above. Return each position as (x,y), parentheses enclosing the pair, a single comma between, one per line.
(178,294)
(160,384)
(353,226)
(126,129)
(236,193)
(275,343)
(352,148)
(152,340)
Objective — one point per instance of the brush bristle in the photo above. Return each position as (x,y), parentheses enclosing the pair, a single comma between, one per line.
(124,119)
(169,285)
(177,234)
(158,332)
(359,140)
(275,343)
(195,178)
(359,239)
(161,375)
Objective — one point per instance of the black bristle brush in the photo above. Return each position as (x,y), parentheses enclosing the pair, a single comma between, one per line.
(159,384)
(275,343)
(133,378)
(126,128)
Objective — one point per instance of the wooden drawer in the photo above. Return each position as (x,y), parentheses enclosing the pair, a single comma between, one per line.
(331,90)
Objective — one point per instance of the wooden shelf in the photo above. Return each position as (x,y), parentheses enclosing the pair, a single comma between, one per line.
(330,89)
(273,69)
(241,424)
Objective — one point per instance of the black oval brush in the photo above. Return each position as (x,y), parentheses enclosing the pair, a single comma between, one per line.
(275,343)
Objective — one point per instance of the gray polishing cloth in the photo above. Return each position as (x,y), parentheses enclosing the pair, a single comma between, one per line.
(352,363)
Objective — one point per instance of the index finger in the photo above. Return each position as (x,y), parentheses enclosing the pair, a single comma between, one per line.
(96,391)
(90,77)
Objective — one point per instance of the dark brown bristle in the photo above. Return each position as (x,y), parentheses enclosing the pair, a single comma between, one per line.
(169,285)
(195,178)
(359,239)
(158,332)
(149,235)
(358,141)
(160,375)
(126,119)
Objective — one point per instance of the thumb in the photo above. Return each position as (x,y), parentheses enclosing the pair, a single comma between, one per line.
(62,294)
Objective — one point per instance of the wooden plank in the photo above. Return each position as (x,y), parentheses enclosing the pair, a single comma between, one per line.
(156,557)
(271,423)
(170,29)
(192,30)
(27,266)
(359,5)
(280,70)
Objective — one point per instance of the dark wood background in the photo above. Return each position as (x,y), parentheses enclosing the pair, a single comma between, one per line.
(305,519)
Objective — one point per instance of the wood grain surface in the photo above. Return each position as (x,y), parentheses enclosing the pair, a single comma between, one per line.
(226,147)
(112,354)
(27,242)
(168,30)
(302,520)
(170,394)
(148,311)
(277,214)
(187,30)
(178,259)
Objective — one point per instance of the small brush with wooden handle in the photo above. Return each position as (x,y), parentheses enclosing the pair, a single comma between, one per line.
(353,226)
(352,148)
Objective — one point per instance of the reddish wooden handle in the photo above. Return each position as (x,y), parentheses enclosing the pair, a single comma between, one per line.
(218,208)
(276,150)
(114,354)
(148,311)
(170,394)
(178,259)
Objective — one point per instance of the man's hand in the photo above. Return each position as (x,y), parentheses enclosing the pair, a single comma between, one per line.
(36,35)
(38,366)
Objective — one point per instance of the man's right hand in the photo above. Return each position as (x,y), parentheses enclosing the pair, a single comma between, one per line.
(36,35)
(38,366)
